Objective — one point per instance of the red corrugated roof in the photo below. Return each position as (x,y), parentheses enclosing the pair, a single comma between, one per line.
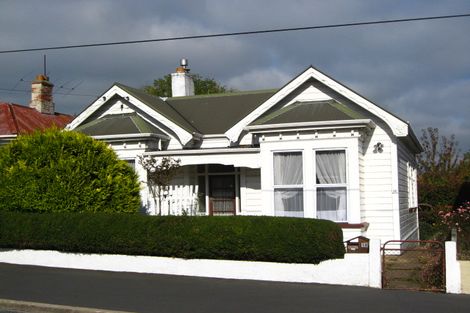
(17,119)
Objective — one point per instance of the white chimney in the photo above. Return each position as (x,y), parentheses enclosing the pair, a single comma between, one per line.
(41,95)
(182,83)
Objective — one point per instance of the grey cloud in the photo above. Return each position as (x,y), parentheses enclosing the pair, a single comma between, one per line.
(418,70)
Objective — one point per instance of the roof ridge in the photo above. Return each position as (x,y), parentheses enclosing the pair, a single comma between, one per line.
(169,105)
(224,94)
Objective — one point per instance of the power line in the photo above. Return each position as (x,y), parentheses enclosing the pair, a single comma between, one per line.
(427,18)
(9,91)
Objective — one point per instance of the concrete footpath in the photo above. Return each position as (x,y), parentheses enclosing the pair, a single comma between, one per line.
(34,307)
(165,293)
(465,276)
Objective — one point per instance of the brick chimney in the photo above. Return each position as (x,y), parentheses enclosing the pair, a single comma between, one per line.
(41,95)
(182,83)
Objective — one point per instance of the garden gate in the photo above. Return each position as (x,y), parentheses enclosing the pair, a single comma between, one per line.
(413,264)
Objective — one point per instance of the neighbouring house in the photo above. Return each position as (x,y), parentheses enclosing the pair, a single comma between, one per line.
(17,119)
(313,148)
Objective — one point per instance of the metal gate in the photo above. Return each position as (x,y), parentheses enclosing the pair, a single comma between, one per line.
(414,265)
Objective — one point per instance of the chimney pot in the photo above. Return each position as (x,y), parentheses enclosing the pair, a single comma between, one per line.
(182,83)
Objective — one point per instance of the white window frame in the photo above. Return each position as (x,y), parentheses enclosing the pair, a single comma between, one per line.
(326,186)
(412,190)
(350,145)
(292,187)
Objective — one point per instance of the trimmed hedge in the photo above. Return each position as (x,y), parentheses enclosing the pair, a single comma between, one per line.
(276,239)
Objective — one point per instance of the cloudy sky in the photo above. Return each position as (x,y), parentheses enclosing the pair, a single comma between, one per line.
(418,70)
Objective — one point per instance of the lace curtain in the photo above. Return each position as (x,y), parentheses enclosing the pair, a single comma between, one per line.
(331,169)
(288,201)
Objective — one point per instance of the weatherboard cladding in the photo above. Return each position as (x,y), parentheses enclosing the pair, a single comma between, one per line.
(118,125)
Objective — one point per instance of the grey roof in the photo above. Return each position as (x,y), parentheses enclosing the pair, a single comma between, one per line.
(217,113)
(118,125)
(311,111)
(162,107)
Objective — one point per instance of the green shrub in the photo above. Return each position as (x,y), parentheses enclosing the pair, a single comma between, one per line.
(291,240)
(65,171)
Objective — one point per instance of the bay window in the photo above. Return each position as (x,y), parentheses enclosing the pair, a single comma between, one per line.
(288,184)
(331,191)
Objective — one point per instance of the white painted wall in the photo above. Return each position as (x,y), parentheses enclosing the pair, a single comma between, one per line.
(250,192)
(354,269)
(377,189)
(453,280)
(407,187)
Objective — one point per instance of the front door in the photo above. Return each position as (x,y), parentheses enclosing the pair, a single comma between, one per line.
(222,195)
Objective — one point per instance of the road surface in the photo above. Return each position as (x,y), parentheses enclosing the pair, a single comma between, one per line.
(165,293)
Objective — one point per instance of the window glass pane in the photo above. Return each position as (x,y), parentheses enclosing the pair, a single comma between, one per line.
(219,168)
(131,163)
(331,204)
(331,167)
(289,202)
(288,168)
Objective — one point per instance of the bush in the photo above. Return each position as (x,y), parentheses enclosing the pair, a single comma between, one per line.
(291,240)
(55,170)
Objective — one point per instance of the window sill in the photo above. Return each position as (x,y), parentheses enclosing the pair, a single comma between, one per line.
(346,225)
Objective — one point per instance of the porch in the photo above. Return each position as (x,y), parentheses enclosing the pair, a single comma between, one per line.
(223,182)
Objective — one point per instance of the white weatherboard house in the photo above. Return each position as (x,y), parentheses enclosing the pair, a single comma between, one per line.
(313,148)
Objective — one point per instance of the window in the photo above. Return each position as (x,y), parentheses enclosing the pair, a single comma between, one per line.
(288,184)
(412,192)
(331,185)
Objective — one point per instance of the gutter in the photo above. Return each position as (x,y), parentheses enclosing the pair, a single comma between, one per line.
(131,136)
(311,125)
(204,151)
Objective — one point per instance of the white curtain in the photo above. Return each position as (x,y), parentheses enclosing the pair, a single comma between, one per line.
(288,168)
(289,202)
(331,169)
(288,171)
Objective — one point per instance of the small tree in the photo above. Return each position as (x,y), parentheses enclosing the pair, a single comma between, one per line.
(202,86)
(441,173)
(65,171)
(160,172)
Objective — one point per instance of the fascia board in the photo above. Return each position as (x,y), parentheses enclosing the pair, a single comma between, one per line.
(234,132)
(311,126)
(131,136)
(398,127)
(95,105)
(204,151)
(182,134)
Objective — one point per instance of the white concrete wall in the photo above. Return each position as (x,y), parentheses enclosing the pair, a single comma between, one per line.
(354,269)
(453,279)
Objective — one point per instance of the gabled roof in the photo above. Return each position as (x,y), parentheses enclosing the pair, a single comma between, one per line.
(311,111)
(216,113)
(119,125)
(163,107)
(16,119)
(232,113)
(399,127)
